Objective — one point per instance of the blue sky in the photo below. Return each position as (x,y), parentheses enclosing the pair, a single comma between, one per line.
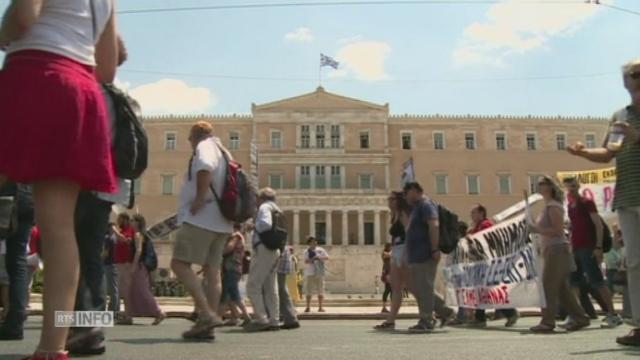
(421,59)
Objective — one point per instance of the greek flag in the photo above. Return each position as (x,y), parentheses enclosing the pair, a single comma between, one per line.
(408,172)
(328,61)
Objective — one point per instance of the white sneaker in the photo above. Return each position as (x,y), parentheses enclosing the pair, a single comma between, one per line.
(611,322)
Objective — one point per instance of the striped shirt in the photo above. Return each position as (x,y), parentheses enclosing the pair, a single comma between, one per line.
(627,193)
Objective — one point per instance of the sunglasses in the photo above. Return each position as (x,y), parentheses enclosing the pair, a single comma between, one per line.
(635,75)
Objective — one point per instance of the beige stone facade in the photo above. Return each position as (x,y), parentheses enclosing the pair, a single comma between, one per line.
(334,159)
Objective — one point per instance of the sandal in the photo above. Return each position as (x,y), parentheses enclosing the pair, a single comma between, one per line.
(385,326)
(160,318)
(125,321)
(542,329)
(201,329)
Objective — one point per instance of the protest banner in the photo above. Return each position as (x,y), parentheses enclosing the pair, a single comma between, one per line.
(596,185)
(495,269)
(163,228)
(516,208)
(598,176)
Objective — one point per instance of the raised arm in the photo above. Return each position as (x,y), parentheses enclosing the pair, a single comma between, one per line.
(18,20)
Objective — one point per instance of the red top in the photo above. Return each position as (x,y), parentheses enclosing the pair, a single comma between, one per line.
(582,235)
(122,252)
(483,225)
(34,241)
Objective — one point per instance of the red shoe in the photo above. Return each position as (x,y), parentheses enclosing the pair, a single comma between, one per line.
(48,356)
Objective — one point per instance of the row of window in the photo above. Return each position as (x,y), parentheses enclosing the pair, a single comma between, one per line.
(319,180)
(473,184)
(439,140)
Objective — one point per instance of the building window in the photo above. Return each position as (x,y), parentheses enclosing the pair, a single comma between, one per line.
(335,136)
(336,177)
(473,184)
(441,184)
(590,141)
(366,181)
(305,136)
(234,140)
(320,136)
(504,184)
(167,184)
(321,233)
(406,141)
(305,177)
(531,142)
(368,233)
(276,139)
(170,141)
(470,140)
(533,183)
(501,141)
(364,140)
(561,141)
(321,179)
(438,140)
(137,186)
(275,181)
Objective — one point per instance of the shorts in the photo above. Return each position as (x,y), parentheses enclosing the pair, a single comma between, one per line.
(199,246)
(4,276)
(230,287)
(587,266)
(398,258)
(314,285)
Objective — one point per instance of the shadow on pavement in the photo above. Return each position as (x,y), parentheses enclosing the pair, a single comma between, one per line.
(149,341)
(626,350)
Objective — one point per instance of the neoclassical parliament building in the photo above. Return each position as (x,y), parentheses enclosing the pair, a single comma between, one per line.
(334,159)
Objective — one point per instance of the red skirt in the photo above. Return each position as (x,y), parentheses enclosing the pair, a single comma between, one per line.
(54,123)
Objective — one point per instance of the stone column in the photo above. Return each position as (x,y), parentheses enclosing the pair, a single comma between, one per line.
(360,227)
(312,223)
(327,217)
(376,228)
(296,228)
(345,227)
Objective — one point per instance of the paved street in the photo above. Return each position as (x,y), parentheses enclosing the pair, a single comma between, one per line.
(343,339)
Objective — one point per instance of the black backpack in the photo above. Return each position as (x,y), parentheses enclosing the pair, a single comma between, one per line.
(149,258)
(276,237)
(130,144)
(449,230)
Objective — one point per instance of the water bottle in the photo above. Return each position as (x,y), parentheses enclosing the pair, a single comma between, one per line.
(616,137)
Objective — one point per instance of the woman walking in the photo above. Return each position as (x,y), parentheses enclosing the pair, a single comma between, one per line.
(384,277)
(55,51)
(558,262)
(141,300)
(400,214)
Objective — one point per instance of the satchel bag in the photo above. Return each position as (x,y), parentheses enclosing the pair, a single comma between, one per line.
(8,216)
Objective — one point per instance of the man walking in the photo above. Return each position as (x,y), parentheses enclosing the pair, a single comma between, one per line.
(261,286)
(314,261)
(204,230)
(587,234)
(423,252)
(623,143)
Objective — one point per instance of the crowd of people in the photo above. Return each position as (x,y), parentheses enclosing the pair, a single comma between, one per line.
(58,52)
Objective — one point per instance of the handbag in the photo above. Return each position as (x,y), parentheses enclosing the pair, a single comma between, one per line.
(8,216)
(620,278)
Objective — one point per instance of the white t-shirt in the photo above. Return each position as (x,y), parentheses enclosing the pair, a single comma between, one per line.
(207,157)
(317,267)
(65,27)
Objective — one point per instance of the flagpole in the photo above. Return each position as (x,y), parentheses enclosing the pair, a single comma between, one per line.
(320,75)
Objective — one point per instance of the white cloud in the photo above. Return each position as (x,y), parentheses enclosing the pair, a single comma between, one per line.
(171,96)
(364,59)
(300,35)
(516,27)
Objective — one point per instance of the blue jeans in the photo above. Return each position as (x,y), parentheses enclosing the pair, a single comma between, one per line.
(91,223)
(16,262)
(111,281)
